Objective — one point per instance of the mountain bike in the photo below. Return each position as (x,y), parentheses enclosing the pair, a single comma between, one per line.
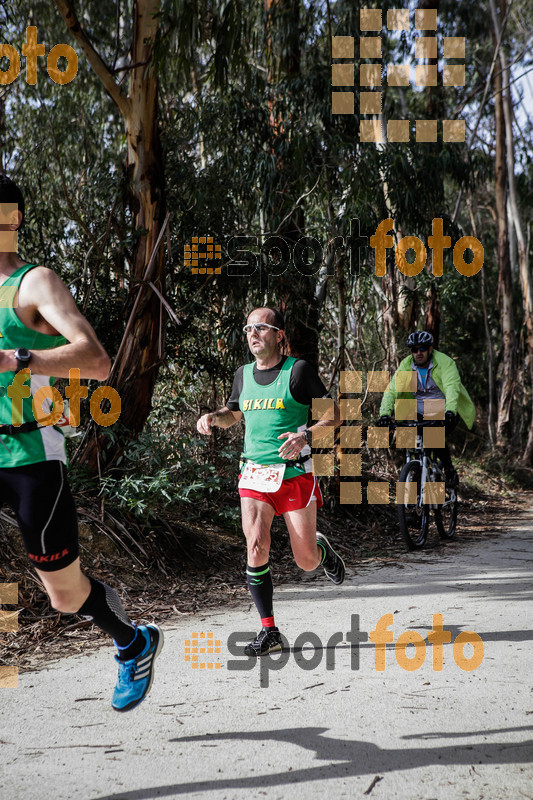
(421,470)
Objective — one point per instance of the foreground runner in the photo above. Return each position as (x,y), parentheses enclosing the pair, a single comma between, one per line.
(274,395)
(37,311)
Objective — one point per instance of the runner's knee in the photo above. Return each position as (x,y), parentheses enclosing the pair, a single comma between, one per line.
(258,551)
(307,561)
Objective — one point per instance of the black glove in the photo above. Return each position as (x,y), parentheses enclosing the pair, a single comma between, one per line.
(384,422)
(450,421)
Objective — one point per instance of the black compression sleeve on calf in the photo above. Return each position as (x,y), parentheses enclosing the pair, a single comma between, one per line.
(261,589)
(104,608)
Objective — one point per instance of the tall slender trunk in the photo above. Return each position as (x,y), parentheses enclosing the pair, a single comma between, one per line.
(2,131)
(341,328)
(488,339)
(432,317)
(525,277)
(294,292)
(505,289)
(435,103)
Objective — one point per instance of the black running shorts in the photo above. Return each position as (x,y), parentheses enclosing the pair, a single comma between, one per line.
(40,497)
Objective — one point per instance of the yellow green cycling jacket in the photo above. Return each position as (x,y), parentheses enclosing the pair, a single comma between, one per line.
(446,376)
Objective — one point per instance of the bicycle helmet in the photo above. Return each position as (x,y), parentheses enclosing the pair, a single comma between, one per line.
(416,338)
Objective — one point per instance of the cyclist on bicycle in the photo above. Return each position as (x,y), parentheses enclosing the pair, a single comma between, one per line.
(437,378)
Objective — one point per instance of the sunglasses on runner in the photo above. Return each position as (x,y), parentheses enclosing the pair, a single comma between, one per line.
(260,327)
(422,349)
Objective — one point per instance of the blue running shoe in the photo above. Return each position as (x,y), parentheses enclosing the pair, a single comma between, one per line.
(136,675)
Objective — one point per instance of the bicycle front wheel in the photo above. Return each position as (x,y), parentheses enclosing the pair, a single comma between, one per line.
(446,515)
(413,517)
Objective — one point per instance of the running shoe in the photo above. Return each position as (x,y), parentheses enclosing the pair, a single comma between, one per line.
(266,641)
(332,563)
(136,675)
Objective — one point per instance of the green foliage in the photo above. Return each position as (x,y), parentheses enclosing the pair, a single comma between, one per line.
(248,139)
(165,470)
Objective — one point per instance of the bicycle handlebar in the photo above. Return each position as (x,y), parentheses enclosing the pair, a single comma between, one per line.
(427,423)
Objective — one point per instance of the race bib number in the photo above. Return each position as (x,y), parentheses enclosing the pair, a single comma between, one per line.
(64,423)
(262,479)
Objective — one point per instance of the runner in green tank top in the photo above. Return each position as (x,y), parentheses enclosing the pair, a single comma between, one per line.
(45,443)
(273,396)
(42,333)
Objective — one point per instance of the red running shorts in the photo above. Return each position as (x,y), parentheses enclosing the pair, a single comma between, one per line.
(293,494)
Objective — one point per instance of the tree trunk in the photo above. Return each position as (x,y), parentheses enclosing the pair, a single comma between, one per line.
(505,290)
(2,131)
(391,283)
(294,292)
(488,338)
(135,370)
(402,307)
(432,316)
(341,330)
(435,105)
(525,277)
(434,94)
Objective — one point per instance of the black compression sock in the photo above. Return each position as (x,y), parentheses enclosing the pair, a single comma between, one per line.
(262,591)
(104,608)
(135,647)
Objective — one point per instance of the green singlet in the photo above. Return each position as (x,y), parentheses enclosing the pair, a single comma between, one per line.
(43,444)
(269,411)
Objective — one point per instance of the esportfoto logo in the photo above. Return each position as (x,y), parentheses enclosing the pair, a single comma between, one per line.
(351,436)
(308,650)
(244,255)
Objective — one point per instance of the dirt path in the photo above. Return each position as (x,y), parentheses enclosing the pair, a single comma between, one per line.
(325,724)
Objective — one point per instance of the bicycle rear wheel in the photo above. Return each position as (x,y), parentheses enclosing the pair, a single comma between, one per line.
(446,515)
(412,518)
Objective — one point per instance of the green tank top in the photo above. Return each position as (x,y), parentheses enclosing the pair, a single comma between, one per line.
(43,444)
(269,411)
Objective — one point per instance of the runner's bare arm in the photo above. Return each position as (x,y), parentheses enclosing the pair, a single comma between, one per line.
(295,442)
(44,295)
(222,418)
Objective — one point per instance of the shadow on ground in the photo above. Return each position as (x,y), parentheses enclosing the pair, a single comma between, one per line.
(354,758)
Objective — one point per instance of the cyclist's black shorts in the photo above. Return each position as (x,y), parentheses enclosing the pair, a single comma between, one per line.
(40,497)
